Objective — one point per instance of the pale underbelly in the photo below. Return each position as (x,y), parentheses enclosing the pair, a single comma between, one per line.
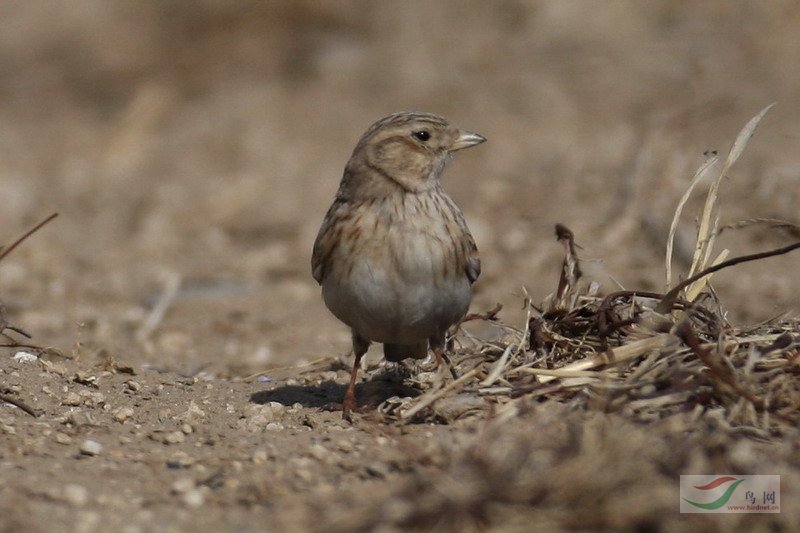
(385,306)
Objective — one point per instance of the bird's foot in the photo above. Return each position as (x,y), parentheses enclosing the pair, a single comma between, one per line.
(340,406)
(442,360)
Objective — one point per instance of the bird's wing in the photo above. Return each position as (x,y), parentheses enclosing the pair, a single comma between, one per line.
(326,241)
(473,262)
(473,259)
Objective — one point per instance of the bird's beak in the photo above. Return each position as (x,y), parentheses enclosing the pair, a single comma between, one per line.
(466,139)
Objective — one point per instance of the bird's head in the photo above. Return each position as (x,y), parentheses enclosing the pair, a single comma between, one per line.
(405,151)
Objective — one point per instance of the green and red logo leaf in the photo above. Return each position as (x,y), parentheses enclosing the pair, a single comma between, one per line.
(723,499)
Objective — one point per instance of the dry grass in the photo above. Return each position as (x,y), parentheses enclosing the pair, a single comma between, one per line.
(644,354)
(5,325)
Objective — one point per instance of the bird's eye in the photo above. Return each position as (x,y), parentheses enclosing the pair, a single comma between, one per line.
(421,135)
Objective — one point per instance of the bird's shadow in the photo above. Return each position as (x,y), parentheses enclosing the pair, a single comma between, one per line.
(369,394)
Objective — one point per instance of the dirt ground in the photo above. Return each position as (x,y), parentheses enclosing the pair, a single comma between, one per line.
(191,149)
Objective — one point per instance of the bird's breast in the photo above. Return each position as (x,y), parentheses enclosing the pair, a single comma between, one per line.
(402,274)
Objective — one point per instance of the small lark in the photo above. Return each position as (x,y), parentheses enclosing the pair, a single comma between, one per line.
(394,256)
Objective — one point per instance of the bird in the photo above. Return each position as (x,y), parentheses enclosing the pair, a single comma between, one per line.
(394,256)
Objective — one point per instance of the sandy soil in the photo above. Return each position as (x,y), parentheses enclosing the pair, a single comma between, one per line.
(191,151)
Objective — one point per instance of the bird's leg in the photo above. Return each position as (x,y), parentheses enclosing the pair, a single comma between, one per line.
(450,365)
(360,346)
(441,356)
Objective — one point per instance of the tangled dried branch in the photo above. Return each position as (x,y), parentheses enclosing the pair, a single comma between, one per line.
(5,325)
(644,354)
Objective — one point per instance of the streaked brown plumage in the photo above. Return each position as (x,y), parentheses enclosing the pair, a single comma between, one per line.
(394,256)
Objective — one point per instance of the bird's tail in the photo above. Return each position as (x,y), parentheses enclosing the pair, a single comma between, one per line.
(397,352)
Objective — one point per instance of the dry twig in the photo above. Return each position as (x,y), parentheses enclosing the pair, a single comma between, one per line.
(623,350)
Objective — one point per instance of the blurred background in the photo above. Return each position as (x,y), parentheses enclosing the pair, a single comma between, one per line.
(192,148)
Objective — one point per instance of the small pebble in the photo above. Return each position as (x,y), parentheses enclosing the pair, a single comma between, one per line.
(193,413)
(76,495)
(72,398)
(377,469)
(277,408)
(174,437)
(84,378)
(123,413)
(180,460)
(318,451)
(194,498)
(25,357)
(91,447)
(344,446)
(264,411)
(133,385)
(63,438)
(91,398)
(260,456)
(258,420)
(79,418)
